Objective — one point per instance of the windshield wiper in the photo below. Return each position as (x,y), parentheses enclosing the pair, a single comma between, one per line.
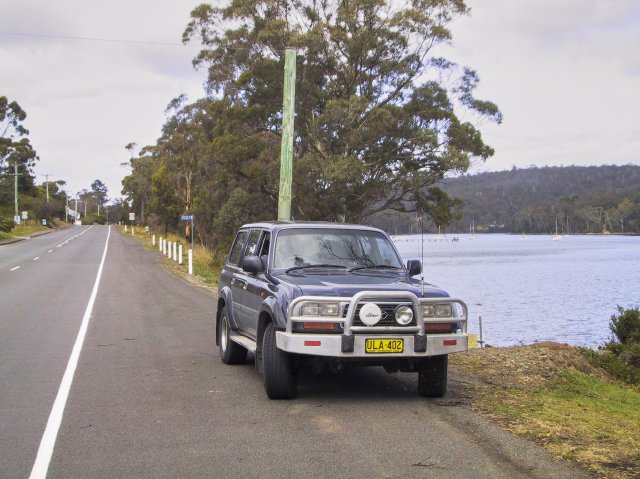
(374,266)
(316,266)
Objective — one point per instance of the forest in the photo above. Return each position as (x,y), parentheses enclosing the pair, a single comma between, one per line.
(582,199)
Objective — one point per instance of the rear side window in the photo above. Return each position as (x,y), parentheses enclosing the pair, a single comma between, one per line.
(238,246)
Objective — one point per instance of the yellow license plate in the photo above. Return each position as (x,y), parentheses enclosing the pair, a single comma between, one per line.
(391,345)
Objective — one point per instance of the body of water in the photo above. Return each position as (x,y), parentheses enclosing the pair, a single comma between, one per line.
(534,288)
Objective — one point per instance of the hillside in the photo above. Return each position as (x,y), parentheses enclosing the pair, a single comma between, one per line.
(583,199)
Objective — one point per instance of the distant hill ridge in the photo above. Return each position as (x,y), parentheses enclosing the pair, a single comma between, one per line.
(590,199)
(582,199)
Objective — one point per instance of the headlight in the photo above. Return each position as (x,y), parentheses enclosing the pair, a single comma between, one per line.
(320,309)
(428,310)
(437,310)
(443,310)
(404,315)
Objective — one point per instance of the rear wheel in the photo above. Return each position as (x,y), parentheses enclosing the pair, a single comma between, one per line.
(432,376)
(279,373)
(230,352)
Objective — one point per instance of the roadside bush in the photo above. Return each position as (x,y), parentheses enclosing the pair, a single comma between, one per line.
(621,358)
(6,224)
(626,325)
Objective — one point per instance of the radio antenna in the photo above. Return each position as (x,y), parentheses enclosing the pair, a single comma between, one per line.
(422,249)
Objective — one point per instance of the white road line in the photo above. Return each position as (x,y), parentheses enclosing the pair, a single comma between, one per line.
(49,251)
(17,267)
(48,442)
(75,236)
(36,258)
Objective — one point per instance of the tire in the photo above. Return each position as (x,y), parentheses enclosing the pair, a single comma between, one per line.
(432,376)
(230,352)
(279,373)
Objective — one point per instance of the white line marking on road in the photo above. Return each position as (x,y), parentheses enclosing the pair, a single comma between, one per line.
(75,236)
(48,442)
(36,258)
(49,251)
(17,267)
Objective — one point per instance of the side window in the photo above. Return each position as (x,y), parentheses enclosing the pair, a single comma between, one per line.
(254,237)
(238,245)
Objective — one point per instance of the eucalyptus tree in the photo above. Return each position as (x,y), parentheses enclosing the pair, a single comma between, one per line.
(15,149)
(137,186)
(378,112)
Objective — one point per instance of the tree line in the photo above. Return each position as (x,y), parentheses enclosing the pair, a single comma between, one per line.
(379,117)
(579,199)
(46,200)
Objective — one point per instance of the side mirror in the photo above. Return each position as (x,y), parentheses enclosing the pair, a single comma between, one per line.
(252,265)
(414,266)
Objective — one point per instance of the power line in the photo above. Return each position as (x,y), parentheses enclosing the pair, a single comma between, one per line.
(97,39)
(118,40)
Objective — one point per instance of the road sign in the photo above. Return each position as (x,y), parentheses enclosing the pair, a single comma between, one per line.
(16,219)
(25,215)
(132,216)
(44,222)
(186,217)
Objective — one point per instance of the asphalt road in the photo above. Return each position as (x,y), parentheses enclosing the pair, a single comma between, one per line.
(150,398)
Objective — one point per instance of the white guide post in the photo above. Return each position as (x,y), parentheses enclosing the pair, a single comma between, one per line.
(125,228)
(190,261)
(175,252)
(179,254)
(153,240)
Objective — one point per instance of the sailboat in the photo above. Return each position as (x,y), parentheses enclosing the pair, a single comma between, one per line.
(472,229)
(556,236)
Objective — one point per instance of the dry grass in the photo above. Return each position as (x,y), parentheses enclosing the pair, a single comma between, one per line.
(548,392)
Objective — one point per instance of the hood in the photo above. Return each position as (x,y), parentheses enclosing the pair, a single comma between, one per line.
(347,284)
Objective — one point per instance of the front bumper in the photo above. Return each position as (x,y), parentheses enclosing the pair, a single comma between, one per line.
(330,345)
(351,343)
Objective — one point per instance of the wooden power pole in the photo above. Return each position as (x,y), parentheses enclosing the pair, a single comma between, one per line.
(286,147)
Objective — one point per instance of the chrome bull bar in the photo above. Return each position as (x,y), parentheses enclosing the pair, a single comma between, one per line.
(351,304)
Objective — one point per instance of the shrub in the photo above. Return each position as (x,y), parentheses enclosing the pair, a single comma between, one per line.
(626,325)
(613,364)
(6,224)
(621,358)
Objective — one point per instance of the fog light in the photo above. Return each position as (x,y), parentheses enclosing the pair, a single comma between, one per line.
(404,315)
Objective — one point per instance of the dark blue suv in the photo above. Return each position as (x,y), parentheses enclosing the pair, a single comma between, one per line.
(332,294)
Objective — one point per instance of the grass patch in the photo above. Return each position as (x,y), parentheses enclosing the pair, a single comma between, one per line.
(557,399)
(206,264)
(21,230)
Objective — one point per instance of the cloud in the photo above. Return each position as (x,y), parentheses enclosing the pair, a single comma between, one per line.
(563,72)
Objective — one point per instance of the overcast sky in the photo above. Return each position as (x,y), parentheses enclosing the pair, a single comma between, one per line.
(565,73)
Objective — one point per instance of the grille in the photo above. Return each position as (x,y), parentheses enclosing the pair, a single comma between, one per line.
(388,314)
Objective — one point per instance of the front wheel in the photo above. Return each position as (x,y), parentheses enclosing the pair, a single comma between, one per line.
(230,352)
(432,376)
(279,374)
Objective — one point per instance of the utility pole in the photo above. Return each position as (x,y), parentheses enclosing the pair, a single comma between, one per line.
(16,185)
(15,193)
(46,177)
(286,146)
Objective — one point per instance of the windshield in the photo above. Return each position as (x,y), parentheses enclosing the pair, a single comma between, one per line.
(345,248)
